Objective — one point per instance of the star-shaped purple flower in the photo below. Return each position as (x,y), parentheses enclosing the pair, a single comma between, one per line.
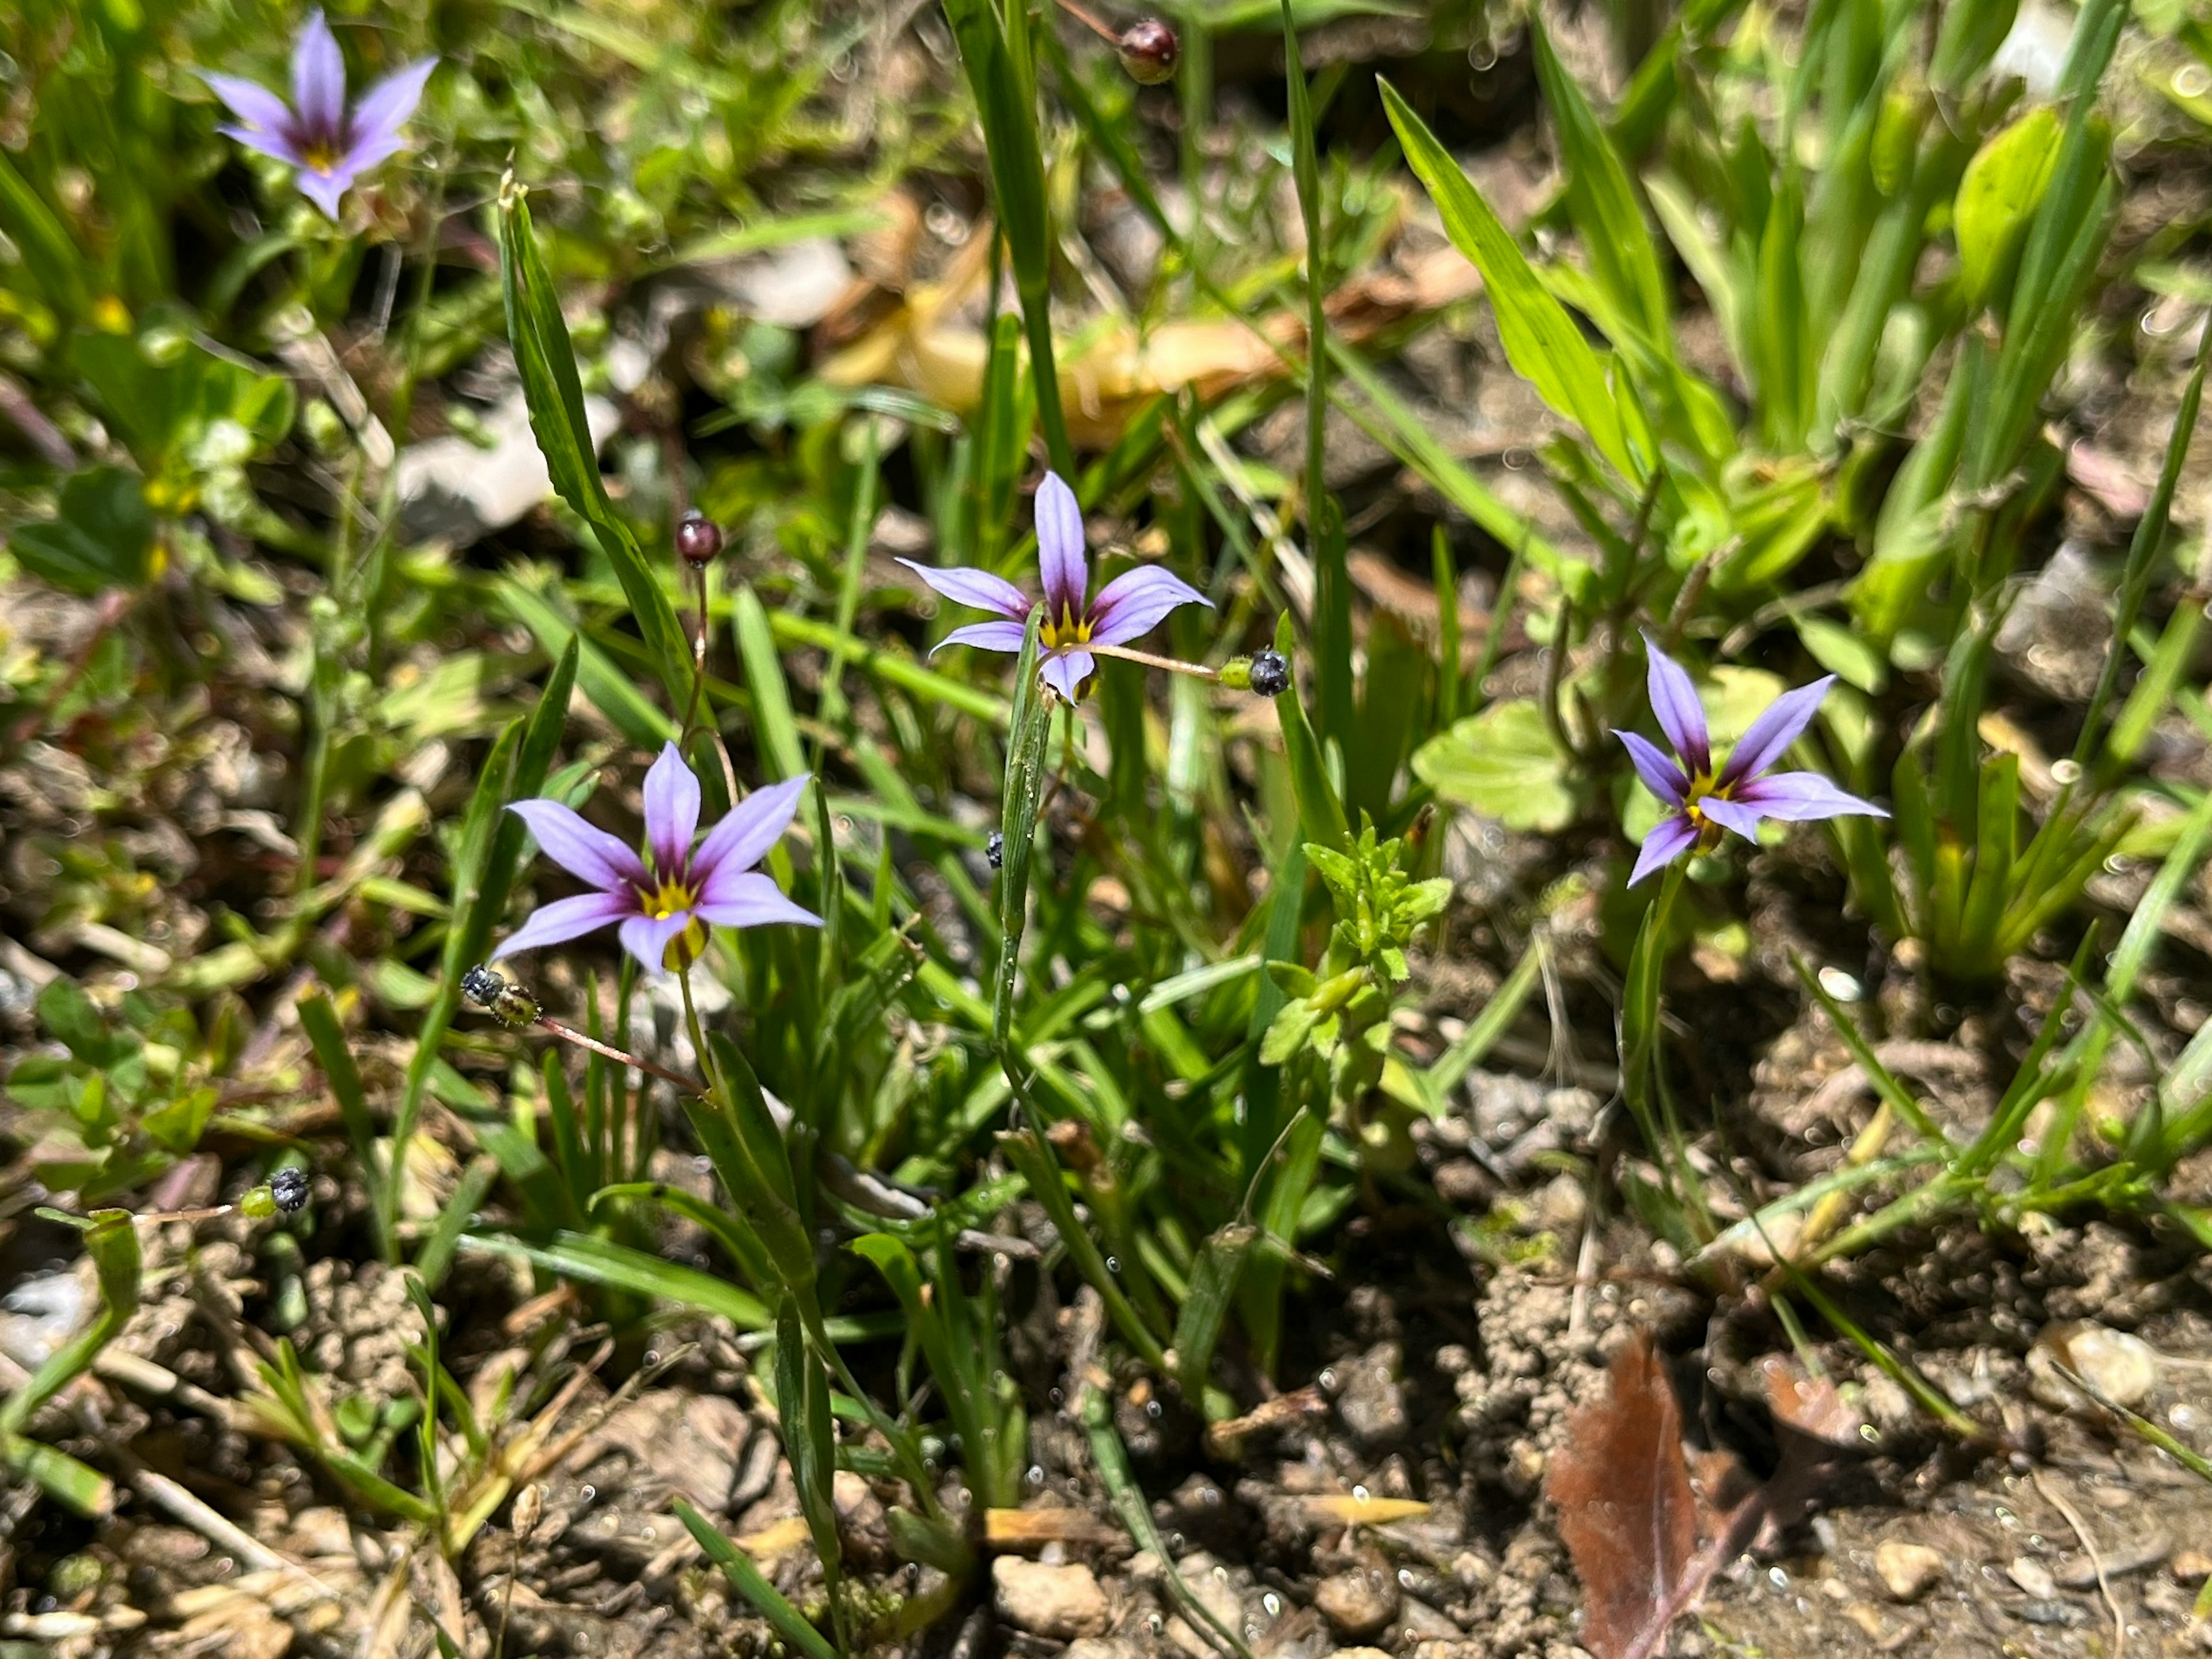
(1700,803)
(1126,608)
(316,133)
(664,899)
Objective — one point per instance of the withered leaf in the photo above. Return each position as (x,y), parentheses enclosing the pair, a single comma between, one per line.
(1621,1485)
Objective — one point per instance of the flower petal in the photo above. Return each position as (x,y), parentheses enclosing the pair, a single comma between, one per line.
(318,81)
(742,840)
(1661,776)
(250,101)
(384,107)
(989,636)
(566,919)
(1059,548)
(1682,716)
(1737,815)
(964,585)
(1133,603)
(671,812)
(1065,672)
(647,937)
(275,145)
(325,189)
(588,854)
(1671,837)
(370,153)
(1781,724)
(746,898)
(1800,797)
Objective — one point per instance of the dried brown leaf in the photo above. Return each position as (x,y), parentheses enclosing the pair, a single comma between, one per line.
(1621,1486)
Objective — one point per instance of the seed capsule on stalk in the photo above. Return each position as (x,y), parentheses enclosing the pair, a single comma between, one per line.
(1150,50)
(698,538)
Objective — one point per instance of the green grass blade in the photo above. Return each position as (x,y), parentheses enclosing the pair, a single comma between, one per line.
(746,1579)
(1542,342)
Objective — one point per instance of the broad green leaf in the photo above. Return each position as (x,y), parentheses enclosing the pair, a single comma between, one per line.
(100,536)
(1541,340)
(1505,763)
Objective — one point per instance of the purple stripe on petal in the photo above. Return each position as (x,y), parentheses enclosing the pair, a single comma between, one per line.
(586,852)
(1782,723)
(325,189)
(319,83)
(1800,797)
(671,812)
(1059,548)
(1736,815)
(566,919)
(275,145)
(647,937)
(742,840)
(384,107)
(1682,716)
(251,102)
(1065,672)
(964,585)
(749,899)
(1134,602)
(989,636)
(1661,776)
(1671,837)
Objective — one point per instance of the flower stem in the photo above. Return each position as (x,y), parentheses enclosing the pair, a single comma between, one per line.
(1173,664)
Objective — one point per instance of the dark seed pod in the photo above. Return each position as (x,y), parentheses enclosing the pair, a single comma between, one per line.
(995,849)
(289,1186)
(1150,50)
(698,537)
(1271,674)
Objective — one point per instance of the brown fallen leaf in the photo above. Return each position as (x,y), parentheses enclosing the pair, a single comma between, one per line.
(1621,1485)
(931,343)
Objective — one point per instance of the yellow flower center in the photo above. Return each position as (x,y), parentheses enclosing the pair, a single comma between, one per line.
(1070,629)
(322,159)
(672,897)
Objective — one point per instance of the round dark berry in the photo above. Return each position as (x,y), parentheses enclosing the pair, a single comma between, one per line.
(289,1186)
(995,849)
(1150,50)
(698,537)
(1271,674)
(482,986)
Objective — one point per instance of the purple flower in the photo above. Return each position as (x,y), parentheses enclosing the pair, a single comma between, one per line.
(1701,803)
(664,899)
(329,144)
(1130,605)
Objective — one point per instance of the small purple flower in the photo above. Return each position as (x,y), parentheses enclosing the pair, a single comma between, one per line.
(664,899)
(329,144)
(1701,803)
(1129,606)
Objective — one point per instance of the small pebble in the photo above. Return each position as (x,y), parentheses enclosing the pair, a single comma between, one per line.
(1907,1572)
(2190,1567)
(2033,1577)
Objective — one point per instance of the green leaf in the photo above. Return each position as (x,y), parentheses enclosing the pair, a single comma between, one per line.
(746,1579)
(1319,810)
(802,1402)
(100,536)
(69,1016)
(1998,196)
(1969,36)
(1602,203)
(774,728)
(1505,763)
(60,274)
(555,393)
(1843,653)
(1542,342)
